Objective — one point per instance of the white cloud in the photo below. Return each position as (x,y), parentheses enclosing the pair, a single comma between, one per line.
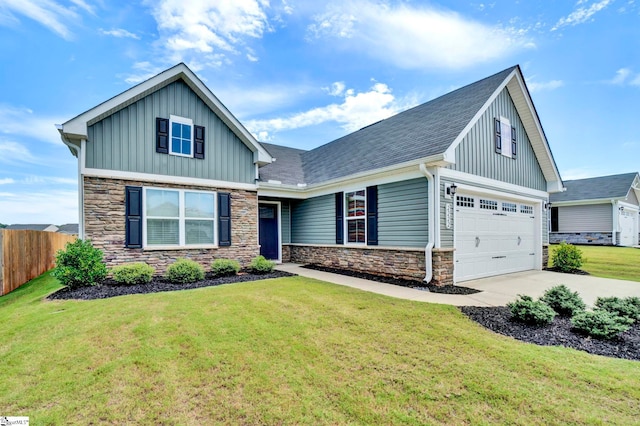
(47,12)
(336,89)
(356,110)
(209,27)
(535,86)
(83,5)
(626,76)
(15,153)
(141,71)
(6,181)
(581,14)
(413,37)
(119,33)
(52,206)
(22,122)
(250,101)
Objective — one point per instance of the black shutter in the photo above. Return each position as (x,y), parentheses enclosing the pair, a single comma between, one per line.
(162,135)
(498,137)
(340,218)
(133,216)
(372,215)
(198,140)
(554,219)
(513,143)
(224,219)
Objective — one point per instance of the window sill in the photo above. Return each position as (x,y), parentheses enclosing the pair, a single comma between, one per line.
(190,247)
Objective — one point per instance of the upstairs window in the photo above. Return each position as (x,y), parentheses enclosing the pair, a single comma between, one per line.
(505,137)
(356,216)
(181,136)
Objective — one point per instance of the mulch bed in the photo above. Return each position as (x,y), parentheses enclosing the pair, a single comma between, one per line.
(558,333)
(418,285)
(110,288)
(574,272)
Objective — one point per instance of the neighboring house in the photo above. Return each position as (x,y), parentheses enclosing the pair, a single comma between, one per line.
(69,229)
(33,227)
(450,190)
(601,210)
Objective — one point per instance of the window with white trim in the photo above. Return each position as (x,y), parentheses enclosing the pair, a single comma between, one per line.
(488,204)
(181,136)
(176,217)
(356,216)
(526,209)
(509,207)
(505,137)
(462,201)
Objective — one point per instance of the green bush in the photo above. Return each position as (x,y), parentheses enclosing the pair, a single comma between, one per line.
(567,257)
(260,265)
(184,271)
(79,264)
(600,324)
(133,273)
(224,267)
(628,307)
(530,311)
(563,301)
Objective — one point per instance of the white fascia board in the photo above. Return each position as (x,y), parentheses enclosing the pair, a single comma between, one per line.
(180,180)
(76,128)
(396,173)
(584,202)
(494,184)
(451,151)
(555,186)
(632,207)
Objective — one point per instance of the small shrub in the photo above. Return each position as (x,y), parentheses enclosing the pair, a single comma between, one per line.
(530,311)
(184,271)
(79,264)
(567,257)
(260,265)
(600,324)
(225,267)
(133,273)
(628,307)
(563,301)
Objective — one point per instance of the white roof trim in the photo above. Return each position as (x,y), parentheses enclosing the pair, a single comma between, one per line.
(76,128)
(530,120)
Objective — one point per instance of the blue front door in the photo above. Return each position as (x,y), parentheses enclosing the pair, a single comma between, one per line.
(268,225)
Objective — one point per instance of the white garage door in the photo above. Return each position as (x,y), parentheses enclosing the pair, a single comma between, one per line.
(493,237)
(628,228)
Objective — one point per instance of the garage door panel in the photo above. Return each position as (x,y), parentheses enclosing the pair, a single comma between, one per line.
(495,240)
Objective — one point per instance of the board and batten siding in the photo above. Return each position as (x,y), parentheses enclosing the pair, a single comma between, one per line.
(476,153)
(403,216)
(588,218)
(313,221)
(285,224)
(126,140)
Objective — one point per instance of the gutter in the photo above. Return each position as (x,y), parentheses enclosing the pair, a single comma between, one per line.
(428,250)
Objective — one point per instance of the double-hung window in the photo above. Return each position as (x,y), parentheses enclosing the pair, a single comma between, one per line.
(181,136)
(356,216)
(505,137)
(179,217)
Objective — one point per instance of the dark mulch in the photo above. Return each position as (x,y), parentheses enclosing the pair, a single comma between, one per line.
(110,288)
(558,333)
(574,272)
(418,285)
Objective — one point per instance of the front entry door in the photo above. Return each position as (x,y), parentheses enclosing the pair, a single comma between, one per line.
(269,241)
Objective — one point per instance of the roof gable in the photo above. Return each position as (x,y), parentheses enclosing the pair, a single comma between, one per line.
(602,188)
(75,129)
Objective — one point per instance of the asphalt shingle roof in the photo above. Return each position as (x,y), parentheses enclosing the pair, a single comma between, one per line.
(288,165)
(69,228)
(29,227)
(615,186)
(420,132)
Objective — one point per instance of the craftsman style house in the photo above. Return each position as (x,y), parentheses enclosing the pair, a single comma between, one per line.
(451,190)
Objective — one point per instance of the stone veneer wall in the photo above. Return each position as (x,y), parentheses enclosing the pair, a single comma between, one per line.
(104,212)
(393,262)
(286,253)
(595,238)
(545,256)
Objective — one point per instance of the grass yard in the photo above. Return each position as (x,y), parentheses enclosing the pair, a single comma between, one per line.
(622,263)
(288,351)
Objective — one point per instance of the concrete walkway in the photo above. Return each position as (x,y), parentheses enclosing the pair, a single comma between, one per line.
(494,291)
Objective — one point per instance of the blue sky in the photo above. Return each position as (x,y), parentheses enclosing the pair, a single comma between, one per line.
(302,73)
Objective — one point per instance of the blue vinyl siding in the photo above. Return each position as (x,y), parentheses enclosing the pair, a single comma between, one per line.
(476,153)
(403,217)
(125,140)
(313,220)
(286,222)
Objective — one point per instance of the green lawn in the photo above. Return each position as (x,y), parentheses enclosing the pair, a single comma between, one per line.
(288,351)
(610,262)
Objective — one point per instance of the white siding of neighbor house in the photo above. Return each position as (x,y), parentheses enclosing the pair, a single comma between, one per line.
(631,198)
(589,218)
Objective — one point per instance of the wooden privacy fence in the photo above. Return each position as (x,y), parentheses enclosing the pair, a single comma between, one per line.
(26,254)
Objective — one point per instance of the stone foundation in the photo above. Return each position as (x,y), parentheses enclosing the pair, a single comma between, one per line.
(594,238)
(392,262)
(545,256)
(286,254)
(104,212)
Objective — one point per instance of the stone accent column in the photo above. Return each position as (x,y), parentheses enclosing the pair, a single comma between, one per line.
(442,263)
(545,256)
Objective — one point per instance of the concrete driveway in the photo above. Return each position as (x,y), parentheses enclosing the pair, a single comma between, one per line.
(494,291)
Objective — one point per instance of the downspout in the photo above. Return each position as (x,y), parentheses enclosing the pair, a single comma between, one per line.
(77,152)
(428,254)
